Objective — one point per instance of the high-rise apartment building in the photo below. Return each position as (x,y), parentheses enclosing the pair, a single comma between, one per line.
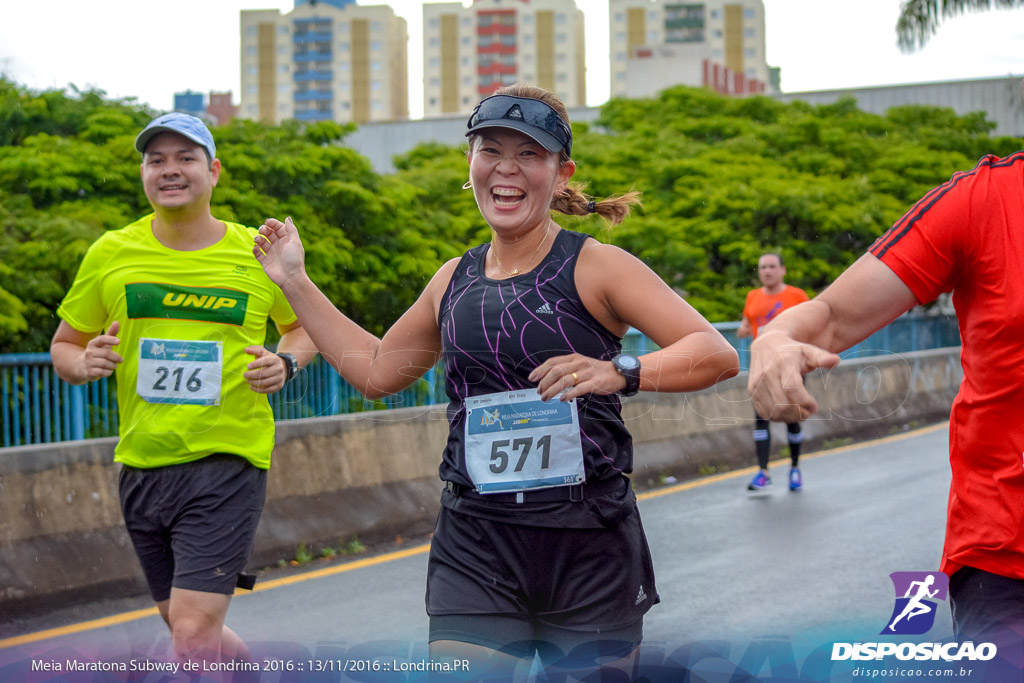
(190,102)
(326,60)
(220,109)
(469,52)
(217,111)
(658,43)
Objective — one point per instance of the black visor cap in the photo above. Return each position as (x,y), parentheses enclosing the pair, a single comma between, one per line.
(527,115)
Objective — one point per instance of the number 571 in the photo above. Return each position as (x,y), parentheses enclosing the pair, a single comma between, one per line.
(500,458)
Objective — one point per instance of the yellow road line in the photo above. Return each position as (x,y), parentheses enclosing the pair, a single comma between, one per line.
(262,586)
(419,550)
(330,571)
(78,628)
(703,481)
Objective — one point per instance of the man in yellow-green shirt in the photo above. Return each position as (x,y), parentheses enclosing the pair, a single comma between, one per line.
(185,309)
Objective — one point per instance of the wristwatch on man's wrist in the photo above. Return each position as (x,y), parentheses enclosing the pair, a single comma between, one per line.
(628,366)
(291,366)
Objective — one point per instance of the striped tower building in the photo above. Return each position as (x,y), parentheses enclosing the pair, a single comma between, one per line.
(720,44)
(469,52)
(326,60)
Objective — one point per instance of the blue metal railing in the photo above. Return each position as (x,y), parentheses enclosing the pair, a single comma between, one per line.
(903,335)
(318,390)
(38,407)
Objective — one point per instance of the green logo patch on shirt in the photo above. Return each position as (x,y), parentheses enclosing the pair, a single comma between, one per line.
(209,304)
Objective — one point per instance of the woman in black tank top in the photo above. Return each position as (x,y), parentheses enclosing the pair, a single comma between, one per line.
(538,548)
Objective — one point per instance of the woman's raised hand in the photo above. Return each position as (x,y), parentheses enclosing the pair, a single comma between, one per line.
(279,250)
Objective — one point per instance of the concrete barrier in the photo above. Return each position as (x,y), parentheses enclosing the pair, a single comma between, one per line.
(374,475)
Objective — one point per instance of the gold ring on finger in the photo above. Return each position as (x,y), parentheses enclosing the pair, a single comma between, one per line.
(575,379)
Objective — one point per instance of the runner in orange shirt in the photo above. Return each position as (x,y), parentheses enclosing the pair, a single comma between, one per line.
(763,304)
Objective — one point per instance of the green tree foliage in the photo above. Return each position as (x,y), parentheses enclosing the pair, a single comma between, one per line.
(69,172)
(723,180)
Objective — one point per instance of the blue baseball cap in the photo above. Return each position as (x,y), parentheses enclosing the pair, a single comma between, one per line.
(184,124)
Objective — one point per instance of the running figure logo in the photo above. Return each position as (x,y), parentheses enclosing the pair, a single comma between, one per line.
(491,418)
(914,612)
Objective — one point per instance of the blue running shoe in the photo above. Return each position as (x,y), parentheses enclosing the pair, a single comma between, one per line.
(796,482)
(759,482)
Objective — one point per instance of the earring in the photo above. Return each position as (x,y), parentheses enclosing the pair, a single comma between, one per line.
(468,185)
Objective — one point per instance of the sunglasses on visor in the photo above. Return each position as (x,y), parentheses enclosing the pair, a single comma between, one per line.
(527,115)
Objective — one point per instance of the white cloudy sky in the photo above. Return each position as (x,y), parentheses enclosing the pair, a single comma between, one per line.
(149,50)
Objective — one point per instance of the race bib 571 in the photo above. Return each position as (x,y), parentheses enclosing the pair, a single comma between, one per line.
(516,442)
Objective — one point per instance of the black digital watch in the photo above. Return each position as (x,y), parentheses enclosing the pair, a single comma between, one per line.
(291,366)
(628,366)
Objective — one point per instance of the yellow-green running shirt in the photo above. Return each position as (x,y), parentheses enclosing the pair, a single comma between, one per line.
(186,318)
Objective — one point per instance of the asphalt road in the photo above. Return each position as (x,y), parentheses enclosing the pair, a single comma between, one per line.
(735,571)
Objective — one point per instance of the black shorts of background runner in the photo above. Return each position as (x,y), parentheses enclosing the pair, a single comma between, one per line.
(989,608)
(193,525)
(521,589)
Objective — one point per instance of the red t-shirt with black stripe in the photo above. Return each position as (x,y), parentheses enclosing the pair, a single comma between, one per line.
(967,236)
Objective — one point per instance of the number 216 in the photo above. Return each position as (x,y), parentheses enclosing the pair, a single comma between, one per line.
(193,383)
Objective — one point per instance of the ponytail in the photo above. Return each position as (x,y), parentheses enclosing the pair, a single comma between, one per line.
(614,209)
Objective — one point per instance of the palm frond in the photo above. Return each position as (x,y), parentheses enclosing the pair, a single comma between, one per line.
(920,19)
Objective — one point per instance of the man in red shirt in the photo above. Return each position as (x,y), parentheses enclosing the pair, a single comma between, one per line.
(965,236)
(763,304)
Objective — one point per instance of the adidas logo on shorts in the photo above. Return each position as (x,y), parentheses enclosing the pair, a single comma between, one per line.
(641,596)
(545,309)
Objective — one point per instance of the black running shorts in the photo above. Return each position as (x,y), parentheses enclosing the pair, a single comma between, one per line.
(513,588)
(193,525)
(989,608)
